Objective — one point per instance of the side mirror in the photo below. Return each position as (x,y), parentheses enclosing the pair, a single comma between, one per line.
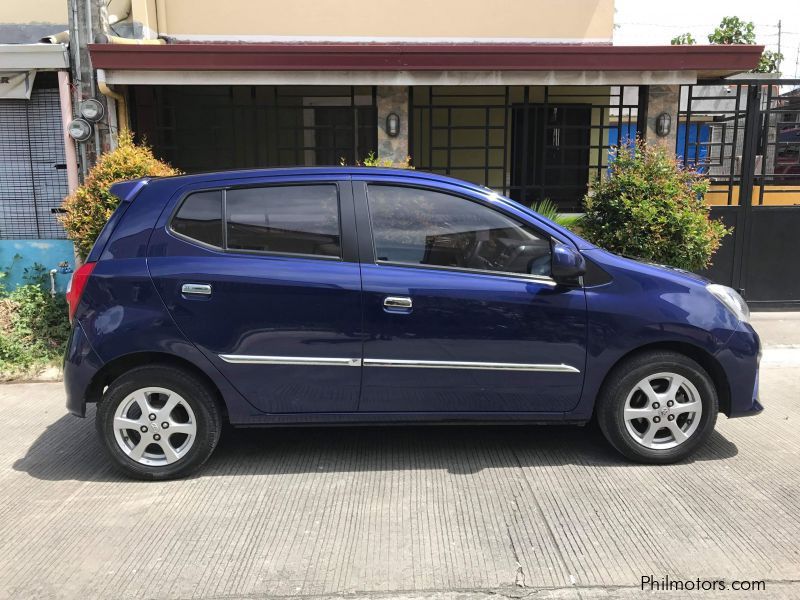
(567,264)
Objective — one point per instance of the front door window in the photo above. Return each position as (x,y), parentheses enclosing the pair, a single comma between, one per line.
(422,227)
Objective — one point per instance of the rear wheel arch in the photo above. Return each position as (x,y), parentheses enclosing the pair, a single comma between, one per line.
(121,365)
(696,353)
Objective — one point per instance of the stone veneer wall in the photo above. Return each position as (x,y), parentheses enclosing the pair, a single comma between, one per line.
(663,98)
(392,99)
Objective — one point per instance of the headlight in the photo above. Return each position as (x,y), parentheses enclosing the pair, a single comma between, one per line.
(732,300)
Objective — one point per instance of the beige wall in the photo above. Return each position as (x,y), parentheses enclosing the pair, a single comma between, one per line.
(27,21)
(574,20)
(31,11)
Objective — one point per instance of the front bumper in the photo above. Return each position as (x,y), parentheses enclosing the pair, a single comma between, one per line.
(740,361)
(81,363)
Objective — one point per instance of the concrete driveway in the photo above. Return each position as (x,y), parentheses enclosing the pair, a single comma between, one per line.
(456,512)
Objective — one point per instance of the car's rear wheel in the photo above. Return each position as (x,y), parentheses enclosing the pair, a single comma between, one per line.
(158,422)
(657,407)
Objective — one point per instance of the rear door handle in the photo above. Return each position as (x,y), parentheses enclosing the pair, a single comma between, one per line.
(397,304)
(196,289)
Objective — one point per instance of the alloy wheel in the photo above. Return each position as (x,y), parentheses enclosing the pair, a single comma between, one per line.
(155,426)
(663,411)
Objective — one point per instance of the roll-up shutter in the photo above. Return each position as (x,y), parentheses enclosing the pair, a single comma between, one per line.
(33,177)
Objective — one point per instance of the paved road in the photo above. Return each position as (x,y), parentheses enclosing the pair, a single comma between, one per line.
(778,329)
(447,513)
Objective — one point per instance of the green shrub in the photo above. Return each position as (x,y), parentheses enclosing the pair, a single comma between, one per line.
(33,329)
(372,160)
(649,207)
(90,206)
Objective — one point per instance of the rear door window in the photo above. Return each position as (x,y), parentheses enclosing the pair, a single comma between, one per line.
(296,219)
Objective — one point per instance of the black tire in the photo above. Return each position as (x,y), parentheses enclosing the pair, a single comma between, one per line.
(623,380)
(207,420)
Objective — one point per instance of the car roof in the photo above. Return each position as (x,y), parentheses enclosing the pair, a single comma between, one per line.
(210,176)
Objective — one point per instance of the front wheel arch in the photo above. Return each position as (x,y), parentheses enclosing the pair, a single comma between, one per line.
(696,353)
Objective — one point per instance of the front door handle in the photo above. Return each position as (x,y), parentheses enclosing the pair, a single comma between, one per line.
(397,304)
(196,289)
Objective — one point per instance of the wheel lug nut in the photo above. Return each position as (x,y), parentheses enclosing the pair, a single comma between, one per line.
(670,403)
(156,437)
(671,417)
(152,416)
(656,419)
(165,425)
(143,428)
(656,405)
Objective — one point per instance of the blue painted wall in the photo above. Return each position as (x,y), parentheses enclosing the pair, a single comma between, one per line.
(697,149)
(699,136)
(47,252)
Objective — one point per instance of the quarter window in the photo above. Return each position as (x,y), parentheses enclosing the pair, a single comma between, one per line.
(424,227)
(301,219)
(200,218)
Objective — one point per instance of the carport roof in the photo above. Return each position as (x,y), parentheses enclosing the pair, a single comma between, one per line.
(705,61)
(31,57)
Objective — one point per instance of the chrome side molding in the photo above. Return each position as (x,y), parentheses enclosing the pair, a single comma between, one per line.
(246,359)
(484,366)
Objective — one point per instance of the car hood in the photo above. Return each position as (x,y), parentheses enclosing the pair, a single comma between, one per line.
(642,266)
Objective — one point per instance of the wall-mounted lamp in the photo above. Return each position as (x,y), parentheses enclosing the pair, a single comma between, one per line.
(92,110)
(663,124)
(79,130)
(392,124)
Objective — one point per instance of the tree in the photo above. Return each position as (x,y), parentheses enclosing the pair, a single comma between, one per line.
(732,30)
(770,62)
(651,208)
(90,206)
(684,39)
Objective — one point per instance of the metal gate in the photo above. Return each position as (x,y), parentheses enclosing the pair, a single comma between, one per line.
(33,177)
(745,136)
(527,142)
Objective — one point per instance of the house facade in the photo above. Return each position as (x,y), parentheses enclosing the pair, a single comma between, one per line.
(527,97)
(526,100)
(35,104)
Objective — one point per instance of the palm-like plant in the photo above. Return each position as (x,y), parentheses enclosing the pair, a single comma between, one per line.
(549,210)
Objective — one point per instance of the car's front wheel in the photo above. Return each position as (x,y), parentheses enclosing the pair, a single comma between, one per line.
(158,422)
(657,407)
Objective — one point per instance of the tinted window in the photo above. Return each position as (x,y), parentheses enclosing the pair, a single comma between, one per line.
(298,219)
(431,228)
(200,218)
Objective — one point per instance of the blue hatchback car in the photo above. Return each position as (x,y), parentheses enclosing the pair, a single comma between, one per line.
(361,295)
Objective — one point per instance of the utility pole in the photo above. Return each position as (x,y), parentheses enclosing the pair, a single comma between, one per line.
(797,62)
(87,18)
(779,48)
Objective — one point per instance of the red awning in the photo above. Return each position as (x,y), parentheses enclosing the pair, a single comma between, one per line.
(708,60)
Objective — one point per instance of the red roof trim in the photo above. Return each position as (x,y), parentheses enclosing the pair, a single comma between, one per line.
(422,57)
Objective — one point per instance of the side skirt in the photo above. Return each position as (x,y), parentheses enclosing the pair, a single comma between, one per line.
(403,418)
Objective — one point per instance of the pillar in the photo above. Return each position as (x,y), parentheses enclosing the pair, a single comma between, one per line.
(663,98)
(392,99)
